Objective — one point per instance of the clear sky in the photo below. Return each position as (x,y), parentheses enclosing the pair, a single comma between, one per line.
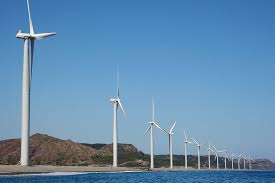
(210,65)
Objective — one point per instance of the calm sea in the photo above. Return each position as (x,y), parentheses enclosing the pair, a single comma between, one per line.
(150,177)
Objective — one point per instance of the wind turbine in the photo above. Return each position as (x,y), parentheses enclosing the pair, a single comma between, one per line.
(209,155)
(217,155)
(117,103)
(29,39)
(244,159)
(199,148)
(232,160)
(225,159)
(170,135)
(152,123)
(239,159)
(249,161)
(186,141)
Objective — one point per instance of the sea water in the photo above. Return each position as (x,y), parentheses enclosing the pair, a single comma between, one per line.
(148,177)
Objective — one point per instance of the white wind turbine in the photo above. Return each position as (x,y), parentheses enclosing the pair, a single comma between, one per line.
(29,39)
(225,159)
(186,141)
(209,155)
(244,161)
(199,148)
(117,103)
(239,159)
(152,123)
(170,135)
(232,160)
(249,161)
(217,155)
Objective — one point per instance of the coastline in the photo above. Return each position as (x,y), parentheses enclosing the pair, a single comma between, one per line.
(9,170)
(44,169)
(41,169)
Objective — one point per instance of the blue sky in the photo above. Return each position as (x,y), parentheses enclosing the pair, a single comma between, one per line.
(210,66)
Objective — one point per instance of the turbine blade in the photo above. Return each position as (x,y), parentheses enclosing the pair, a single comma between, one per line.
(147,130)
(214,148)
(195,141)
(117,82)
(185,136)
(120,105)
(153,111)
(30,19)
(42,35)
(171,130)
(160,127)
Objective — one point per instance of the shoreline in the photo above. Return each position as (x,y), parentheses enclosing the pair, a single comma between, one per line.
(44,169)
(13,170)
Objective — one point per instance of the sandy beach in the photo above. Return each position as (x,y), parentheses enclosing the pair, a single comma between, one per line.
(17,169)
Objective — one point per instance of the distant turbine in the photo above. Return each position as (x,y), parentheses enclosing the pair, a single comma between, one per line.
(29,39)
(225,159)
(239,159)
(249,161)
(217,155)
(209,155)
(244,163)
(170,135)
(151,126)
(186,141)
(117,103)
(199,148)
(232,160)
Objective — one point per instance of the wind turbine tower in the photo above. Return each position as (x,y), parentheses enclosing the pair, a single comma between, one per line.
(199,157)
(244,163)
(225,160)
(217,155)
(249,161)
(232,160)
(170,135)
(239,159)
(186,141)
(209,155)
(117,103)
(152,123)
(29,39)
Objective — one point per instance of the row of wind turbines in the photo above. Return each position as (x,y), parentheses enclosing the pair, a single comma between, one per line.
(210,148)
(29,40)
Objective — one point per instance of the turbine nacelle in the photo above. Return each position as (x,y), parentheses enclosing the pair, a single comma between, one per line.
(21,35)
(114,100)
(188,142)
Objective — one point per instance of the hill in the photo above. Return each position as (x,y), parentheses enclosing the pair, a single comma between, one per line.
(47,150)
